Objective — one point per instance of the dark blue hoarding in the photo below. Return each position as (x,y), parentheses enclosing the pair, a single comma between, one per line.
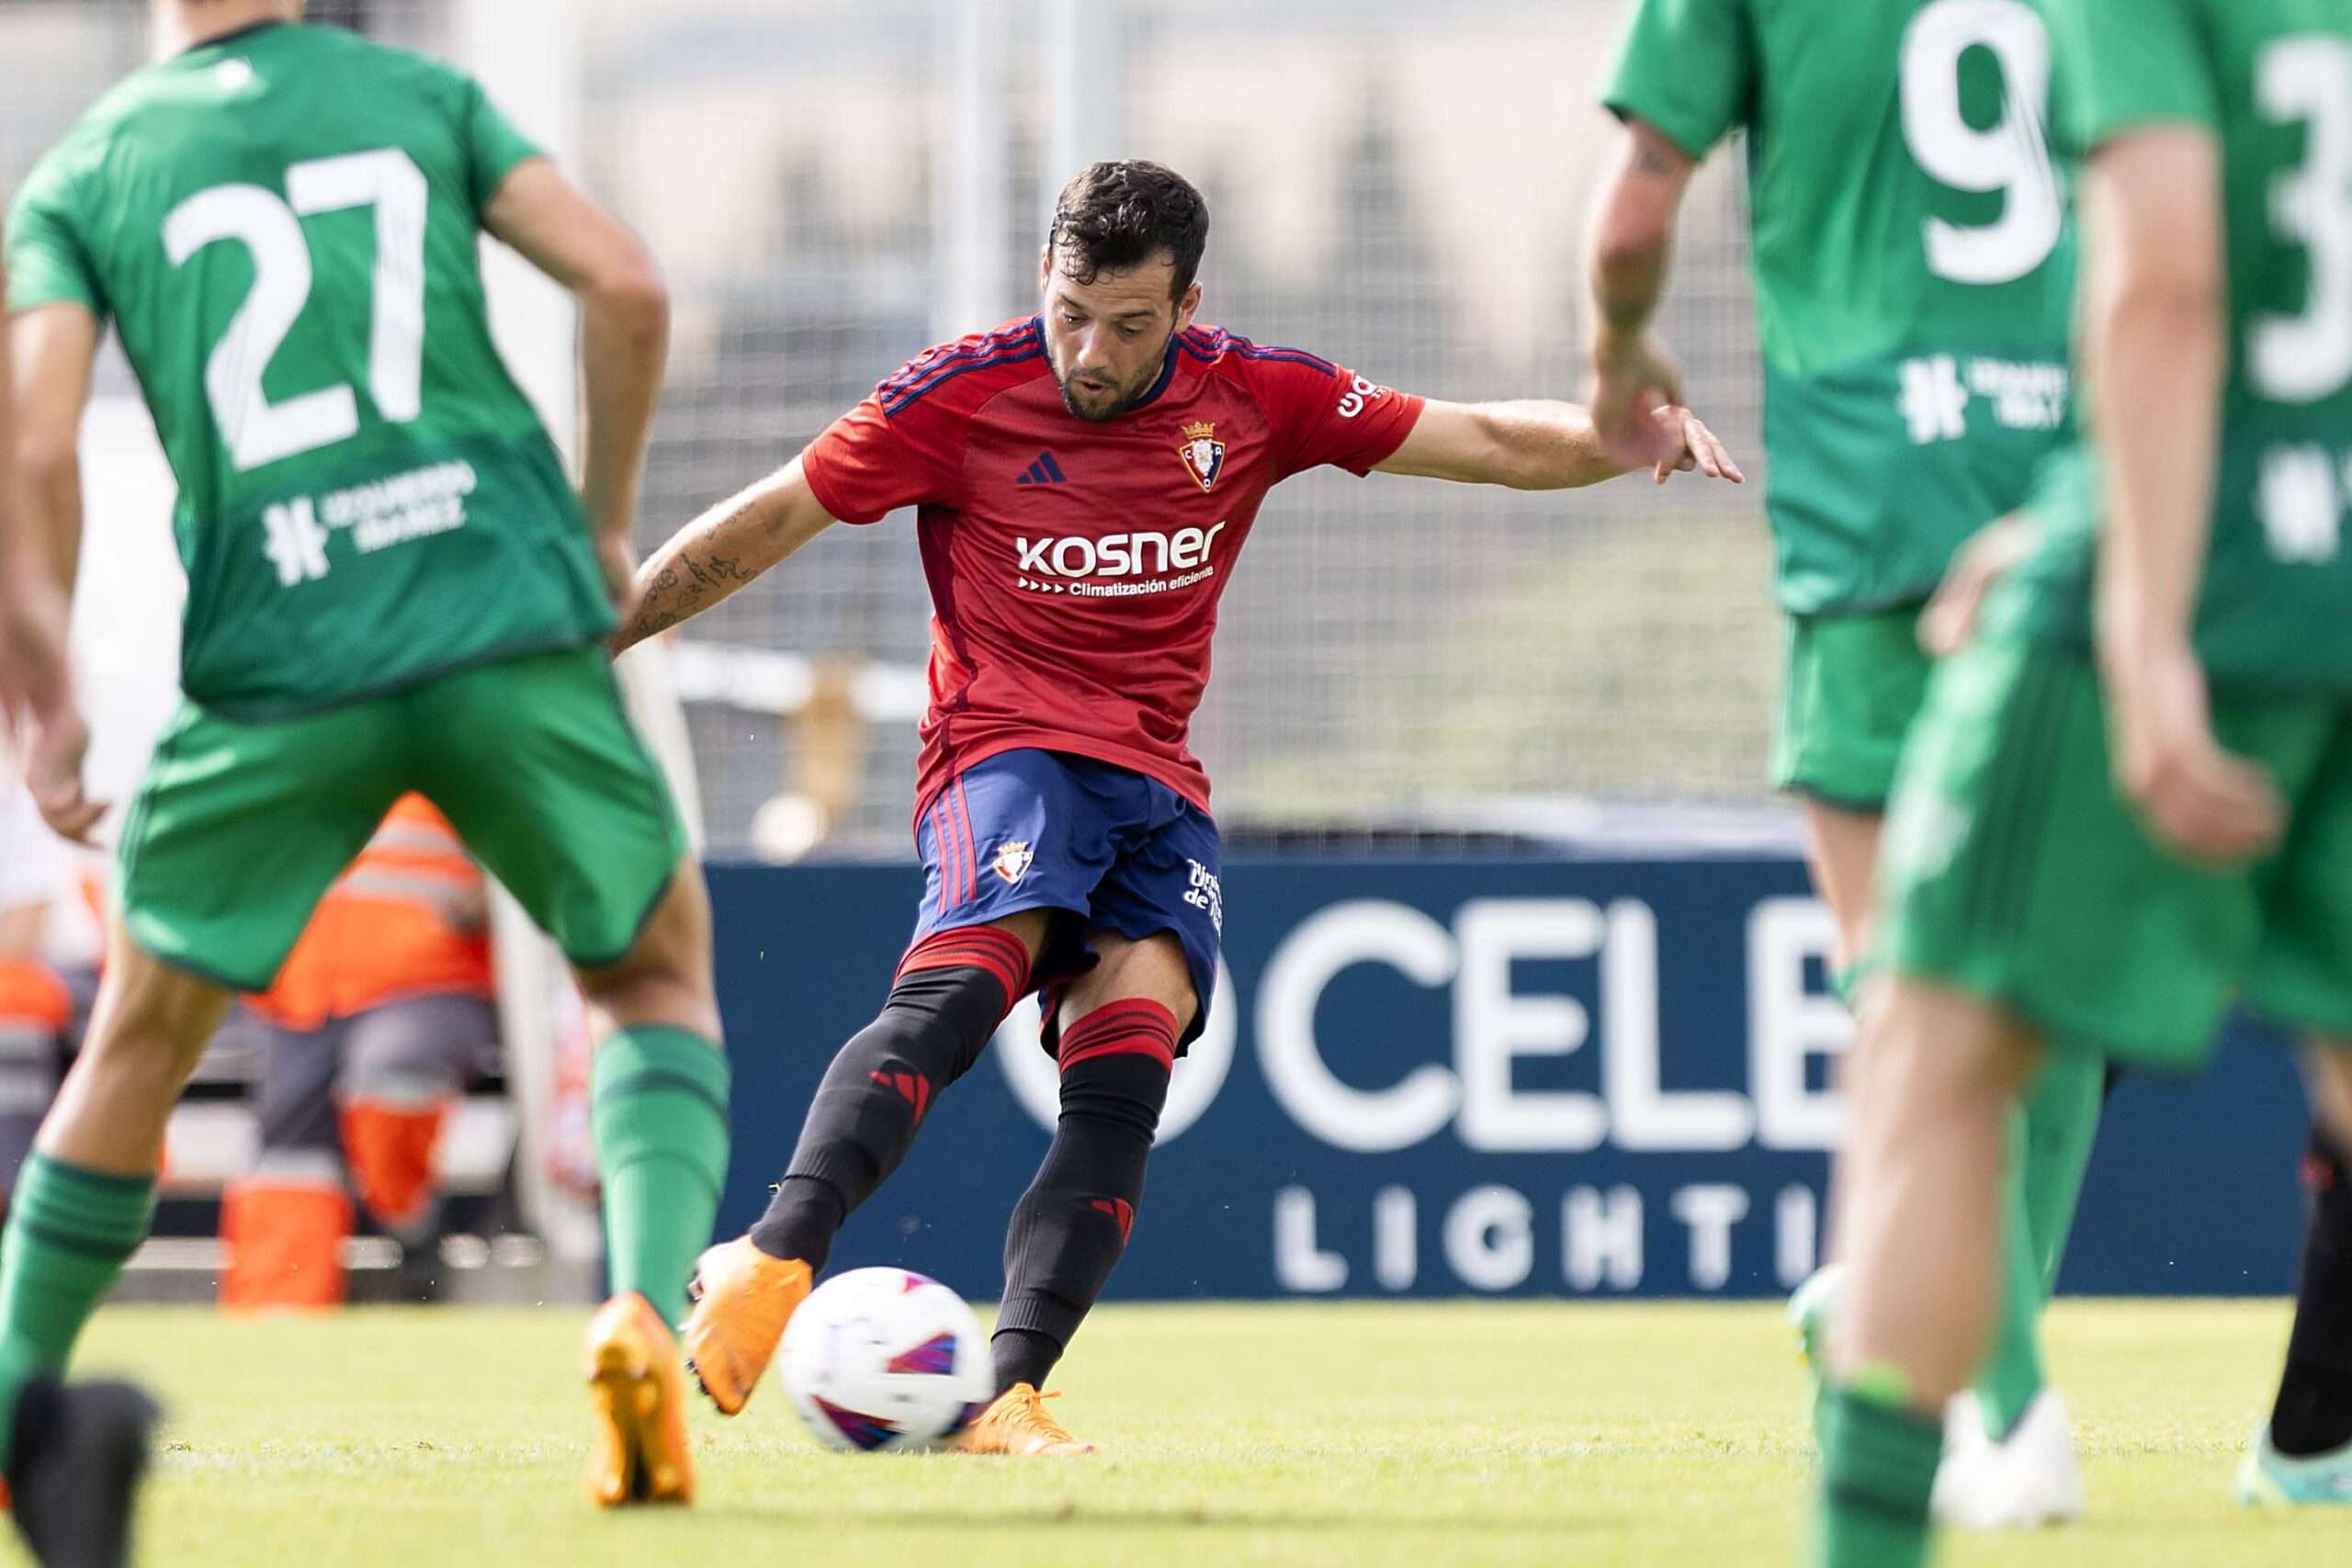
(1445,1078)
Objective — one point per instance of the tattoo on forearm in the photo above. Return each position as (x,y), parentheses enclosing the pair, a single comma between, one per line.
(1651,159)
(668,592)
(709,574)
(682,581)
(647,622)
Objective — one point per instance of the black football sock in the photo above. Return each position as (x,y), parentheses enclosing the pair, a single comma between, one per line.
(1023,1355)
(1070,1226)
(2313,1414)
(953,990)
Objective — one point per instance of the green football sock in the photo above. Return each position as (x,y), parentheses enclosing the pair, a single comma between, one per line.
(661,1120)
(2012,1374)
(2060,1122)
(70,1231)
(1878,1468)
(2050,1145)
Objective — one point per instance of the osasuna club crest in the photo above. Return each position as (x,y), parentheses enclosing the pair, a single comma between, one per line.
(1012,860)
(1203,453)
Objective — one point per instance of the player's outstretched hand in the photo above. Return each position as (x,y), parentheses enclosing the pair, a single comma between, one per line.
(53,772)
(1633,379)
(1701,448)
(2201,801)
(1950,619)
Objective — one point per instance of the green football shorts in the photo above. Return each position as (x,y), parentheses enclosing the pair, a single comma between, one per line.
(2014,870)
(1850,687)
(238,828)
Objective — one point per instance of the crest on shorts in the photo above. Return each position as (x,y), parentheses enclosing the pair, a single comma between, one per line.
(1203,453)
(1012,861)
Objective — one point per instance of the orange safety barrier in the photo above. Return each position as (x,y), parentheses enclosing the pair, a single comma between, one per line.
(285,1238)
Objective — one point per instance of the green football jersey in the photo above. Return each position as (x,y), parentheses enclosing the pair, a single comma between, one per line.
(283,225)
(1913,245)
(2272,81)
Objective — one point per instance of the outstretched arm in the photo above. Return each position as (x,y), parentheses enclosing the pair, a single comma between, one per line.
(724,548)
(1632,254)
(1544,446)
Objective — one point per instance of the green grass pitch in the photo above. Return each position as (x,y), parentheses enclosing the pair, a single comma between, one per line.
(1615,1436)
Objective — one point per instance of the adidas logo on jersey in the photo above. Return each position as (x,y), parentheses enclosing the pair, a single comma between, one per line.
(1043,471)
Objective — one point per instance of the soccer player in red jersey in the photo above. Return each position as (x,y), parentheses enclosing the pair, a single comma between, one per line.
(1083,480)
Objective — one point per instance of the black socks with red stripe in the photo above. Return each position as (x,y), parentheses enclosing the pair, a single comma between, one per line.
(953,990)
(1072,1224)
(2313,1414)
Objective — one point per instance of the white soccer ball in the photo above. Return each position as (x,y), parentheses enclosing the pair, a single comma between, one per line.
(885,1359)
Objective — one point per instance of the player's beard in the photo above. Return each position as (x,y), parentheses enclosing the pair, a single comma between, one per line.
(1099,409)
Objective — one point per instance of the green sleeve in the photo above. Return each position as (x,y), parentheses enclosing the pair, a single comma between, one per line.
(48,261)
(2123,63)
(493,144)
(1688,68)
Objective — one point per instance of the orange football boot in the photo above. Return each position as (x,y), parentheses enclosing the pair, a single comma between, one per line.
(1017,1424)
(637,1392)
(742,1298)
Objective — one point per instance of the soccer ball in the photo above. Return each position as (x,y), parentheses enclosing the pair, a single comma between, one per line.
(884,1358)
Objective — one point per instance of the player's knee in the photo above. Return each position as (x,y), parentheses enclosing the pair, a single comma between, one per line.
(653,997)
(957,1007)
(1925,1051)
(1155,969)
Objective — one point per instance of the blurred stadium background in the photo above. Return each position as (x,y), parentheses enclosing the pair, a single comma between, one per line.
(1396,186)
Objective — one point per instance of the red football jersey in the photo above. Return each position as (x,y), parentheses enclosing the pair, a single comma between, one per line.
(1075,567)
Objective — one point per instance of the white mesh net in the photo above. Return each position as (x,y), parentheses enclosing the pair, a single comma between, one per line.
(1397,190)
(1395,186)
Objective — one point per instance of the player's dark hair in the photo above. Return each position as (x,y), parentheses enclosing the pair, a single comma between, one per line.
(1117,216)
